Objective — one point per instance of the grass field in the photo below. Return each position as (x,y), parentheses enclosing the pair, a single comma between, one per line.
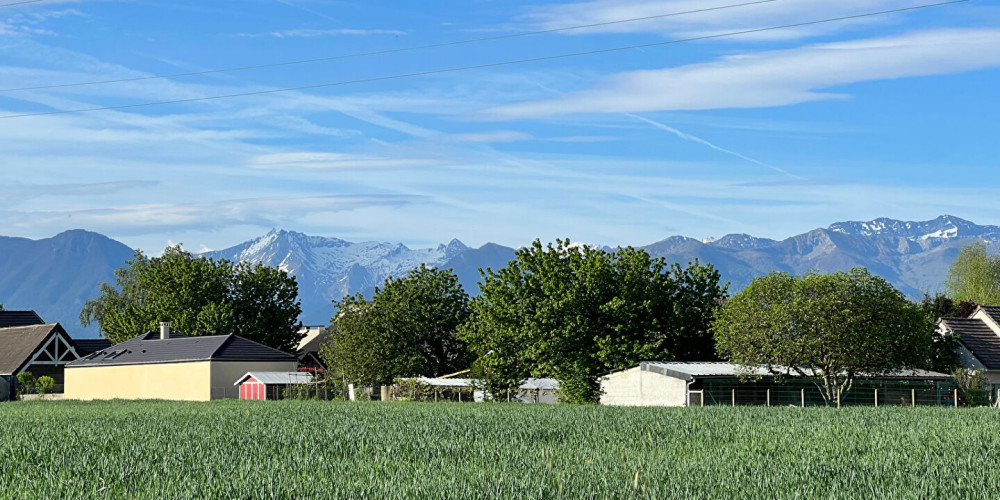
(422,450)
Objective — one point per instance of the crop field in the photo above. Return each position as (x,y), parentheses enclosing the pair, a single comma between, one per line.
(292,449)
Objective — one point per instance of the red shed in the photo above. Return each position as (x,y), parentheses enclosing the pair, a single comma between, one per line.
(269,385)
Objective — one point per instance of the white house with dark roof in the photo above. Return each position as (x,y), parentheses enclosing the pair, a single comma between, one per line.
(979,340)
(172,366)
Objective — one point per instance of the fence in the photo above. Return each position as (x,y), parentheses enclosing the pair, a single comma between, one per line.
(805,393)
(292,391)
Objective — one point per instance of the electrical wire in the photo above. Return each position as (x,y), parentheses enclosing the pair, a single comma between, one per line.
(19,3)
(386,51)
(481,66)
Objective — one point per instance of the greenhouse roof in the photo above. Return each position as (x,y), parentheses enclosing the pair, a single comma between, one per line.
(692,370)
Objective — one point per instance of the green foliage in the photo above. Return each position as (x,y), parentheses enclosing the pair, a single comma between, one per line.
(409,328)
(45,385)
(577,313)
(198,296)
(973,385)
(829,326)
(317,449)
(945,356)
(26,383)
(974,276)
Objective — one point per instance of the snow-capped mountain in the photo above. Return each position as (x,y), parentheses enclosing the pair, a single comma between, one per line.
(57,275)
(330,268)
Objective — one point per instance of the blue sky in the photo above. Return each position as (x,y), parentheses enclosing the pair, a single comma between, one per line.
(772,133)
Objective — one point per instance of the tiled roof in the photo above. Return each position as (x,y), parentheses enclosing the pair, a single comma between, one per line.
(149,349)
(978,338)
(993,312)
(19,318)
(88,346)
(18,343)
(693,370)
(312,345)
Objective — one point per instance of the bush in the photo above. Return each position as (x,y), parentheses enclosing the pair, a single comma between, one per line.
(45,385)
(973,386)
(26,383)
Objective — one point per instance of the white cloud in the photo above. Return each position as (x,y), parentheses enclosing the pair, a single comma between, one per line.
(776,78)
(332,161)
(742,18)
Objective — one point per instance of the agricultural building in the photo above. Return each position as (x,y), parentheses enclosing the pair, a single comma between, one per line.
(979,340)
(703,384)
(269,385)
(172,366)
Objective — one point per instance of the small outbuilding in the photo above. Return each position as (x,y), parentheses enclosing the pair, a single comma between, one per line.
(718,383)
(173,367)
(269,385)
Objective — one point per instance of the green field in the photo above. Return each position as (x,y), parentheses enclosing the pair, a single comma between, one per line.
(295,449)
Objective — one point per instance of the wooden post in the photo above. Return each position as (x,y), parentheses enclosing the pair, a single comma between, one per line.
(734,397)
(701,401)
(956,398)
(768,396)
(913,398)
(459,394)
(803,398)
(838,398)
(384,393)
(876,398)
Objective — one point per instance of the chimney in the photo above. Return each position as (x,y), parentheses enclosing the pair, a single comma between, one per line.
(164,330)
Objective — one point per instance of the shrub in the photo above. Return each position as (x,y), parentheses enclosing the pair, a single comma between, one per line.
(26,383)
(45,385)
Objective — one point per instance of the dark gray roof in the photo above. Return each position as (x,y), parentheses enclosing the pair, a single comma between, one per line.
(314,345)
(18,343)
(88,346)
(976,336)
(149,349)
(19,318)
(993,312)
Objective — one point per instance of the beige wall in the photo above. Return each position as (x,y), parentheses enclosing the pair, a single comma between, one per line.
(635,387)
(175,381)
(195,381)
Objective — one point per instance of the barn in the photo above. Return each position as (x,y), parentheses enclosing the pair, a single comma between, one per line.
(172,367)
(269,385)
(718,383)
(42,349)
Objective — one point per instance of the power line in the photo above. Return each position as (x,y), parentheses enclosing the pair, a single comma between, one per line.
(386,51)
(482,66)
(20,3)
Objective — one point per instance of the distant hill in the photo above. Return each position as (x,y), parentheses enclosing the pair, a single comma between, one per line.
(56,275)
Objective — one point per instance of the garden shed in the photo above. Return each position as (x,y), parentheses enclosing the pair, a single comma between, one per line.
(719,383)
(171,366)
(269,385)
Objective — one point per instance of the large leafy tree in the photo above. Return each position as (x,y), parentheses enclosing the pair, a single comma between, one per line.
(974,276)
(576,313)
(408,328)
(198,296)
(831,327)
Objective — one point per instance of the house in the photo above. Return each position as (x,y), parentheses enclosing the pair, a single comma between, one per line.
(979,340)
(42,349)
(171,366)
(19,318)
(718,383)
(309,347)
(269,385)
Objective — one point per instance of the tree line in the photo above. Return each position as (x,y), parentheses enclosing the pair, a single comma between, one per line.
(565,311)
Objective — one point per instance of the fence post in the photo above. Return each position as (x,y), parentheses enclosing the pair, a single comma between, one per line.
(734,397)
(913,398)
(768,396)
(803,398)
(876,398)
(956,398)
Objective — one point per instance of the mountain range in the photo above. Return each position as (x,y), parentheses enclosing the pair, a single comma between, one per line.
(55,276)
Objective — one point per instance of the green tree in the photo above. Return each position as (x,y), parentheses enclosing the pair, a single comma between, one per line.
(974,276)
(832,327)
(576,313)
(198,296)
(408,328)
(945,356)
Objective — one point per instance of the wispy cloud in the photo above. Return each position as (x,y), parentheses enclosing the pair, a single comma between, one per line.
(340,161)
(312,33)
(776,78)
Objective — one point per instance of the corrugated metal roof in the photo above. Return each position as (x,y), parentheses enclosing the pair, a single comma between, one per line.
(693,370)
(277,378)
(149,349)
(545,384)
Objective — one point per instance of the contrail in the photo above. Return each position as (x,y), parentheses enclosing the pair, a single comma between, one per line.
(699,140)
